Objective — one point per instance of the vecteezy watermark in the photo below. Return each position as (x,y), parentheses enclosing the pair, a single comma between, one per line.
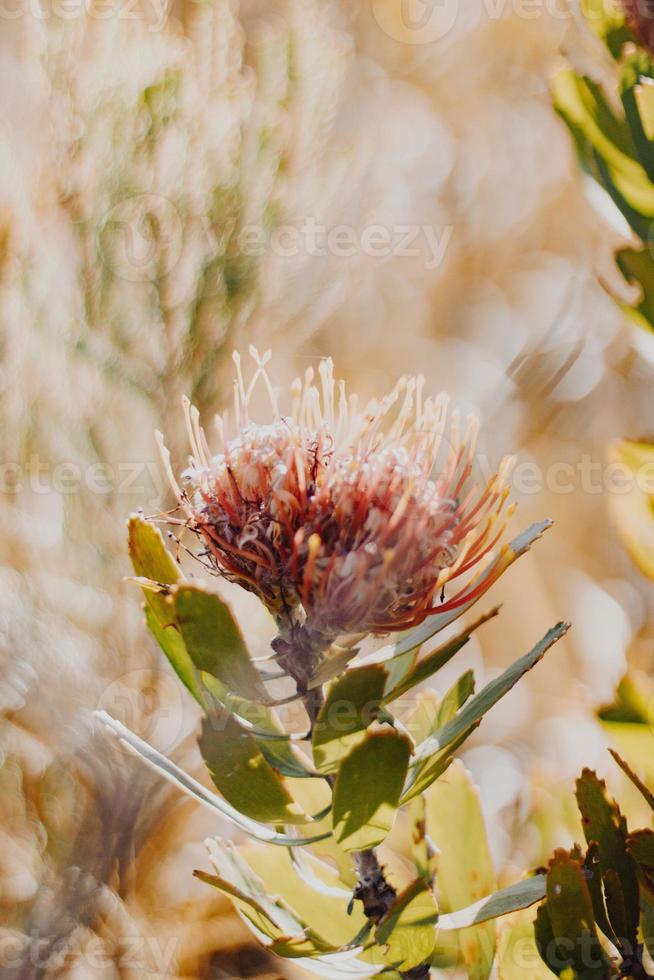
(415,21)
(153,12)
(145,956)
(144,481)
(140,238)
(343,241)
(427,21)
(126,479)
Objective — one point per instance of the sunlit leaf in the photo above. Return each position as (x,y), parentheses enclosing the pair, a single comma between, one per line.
(368,789)
(242,774)
(262,722)
(321,902)
(633,510)
(168,770)
(465,873)
(476,707)
(151,560)
(172,644)
(517,953)
(214,642)
(351,705)
(427,666)
(407,934)
(511,899)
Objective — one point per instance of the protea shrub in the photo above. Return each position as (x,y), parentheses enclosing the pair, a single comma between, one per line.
(348,523)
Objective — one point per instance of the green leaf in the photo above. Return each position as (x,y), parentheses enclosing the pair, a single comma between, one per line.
(640,845)
(585,109)
(425,668)
(422,776)
(632,701)
(573,942)
(518,896)
(368,788)
(633,512)
(647,925)
(517,954)
(545,941)
(593,875)
(172,644)
(477,707)
(351,705)
(191,787)
(602,822)
(242,774)
(235,878)
(262,722)
(637,266)
(152,561)
(407,934)
(215,644)
(455,698)
(321,902)
(465,873)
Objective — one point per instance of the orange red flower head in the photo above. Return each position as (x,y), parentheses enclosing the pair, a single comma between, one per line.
(353,518)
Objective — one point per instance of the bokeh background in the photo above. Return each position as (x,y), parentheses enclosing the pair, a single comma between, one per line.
(385,182)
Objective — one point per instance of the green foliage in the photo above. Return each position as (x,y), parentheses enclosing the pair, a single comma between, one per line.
(614,133)
(598,909)
(336,788)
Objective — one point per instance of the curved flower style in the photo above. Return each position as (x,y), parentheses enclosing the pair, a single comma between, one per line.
(353,518)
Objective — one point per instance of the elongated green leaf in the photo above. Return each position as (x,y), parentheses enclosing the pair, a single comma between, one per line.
(172,644)
(151,560)
(593,876)
(168,770)
(426,667)
(640,845)
(242,774)
(545,940)
(407,934)
(574,942)
(465,873)
(351,705)
(455,698)
(368,788)
(603,822)
(215,644)
(422,775)
(320,903)
(583,105)
(261,721)
(477,707)
(518,896)
(236,878)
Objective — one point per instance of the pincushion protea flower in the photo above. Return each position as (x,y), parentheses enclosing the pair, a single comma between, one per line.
(354,519)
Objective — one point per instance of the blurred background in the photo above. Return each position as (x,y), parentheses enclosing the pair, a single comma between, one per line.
(381,181)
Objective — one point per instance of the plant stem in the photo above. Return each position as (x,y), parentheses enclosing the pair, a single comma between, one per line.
(298,655)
